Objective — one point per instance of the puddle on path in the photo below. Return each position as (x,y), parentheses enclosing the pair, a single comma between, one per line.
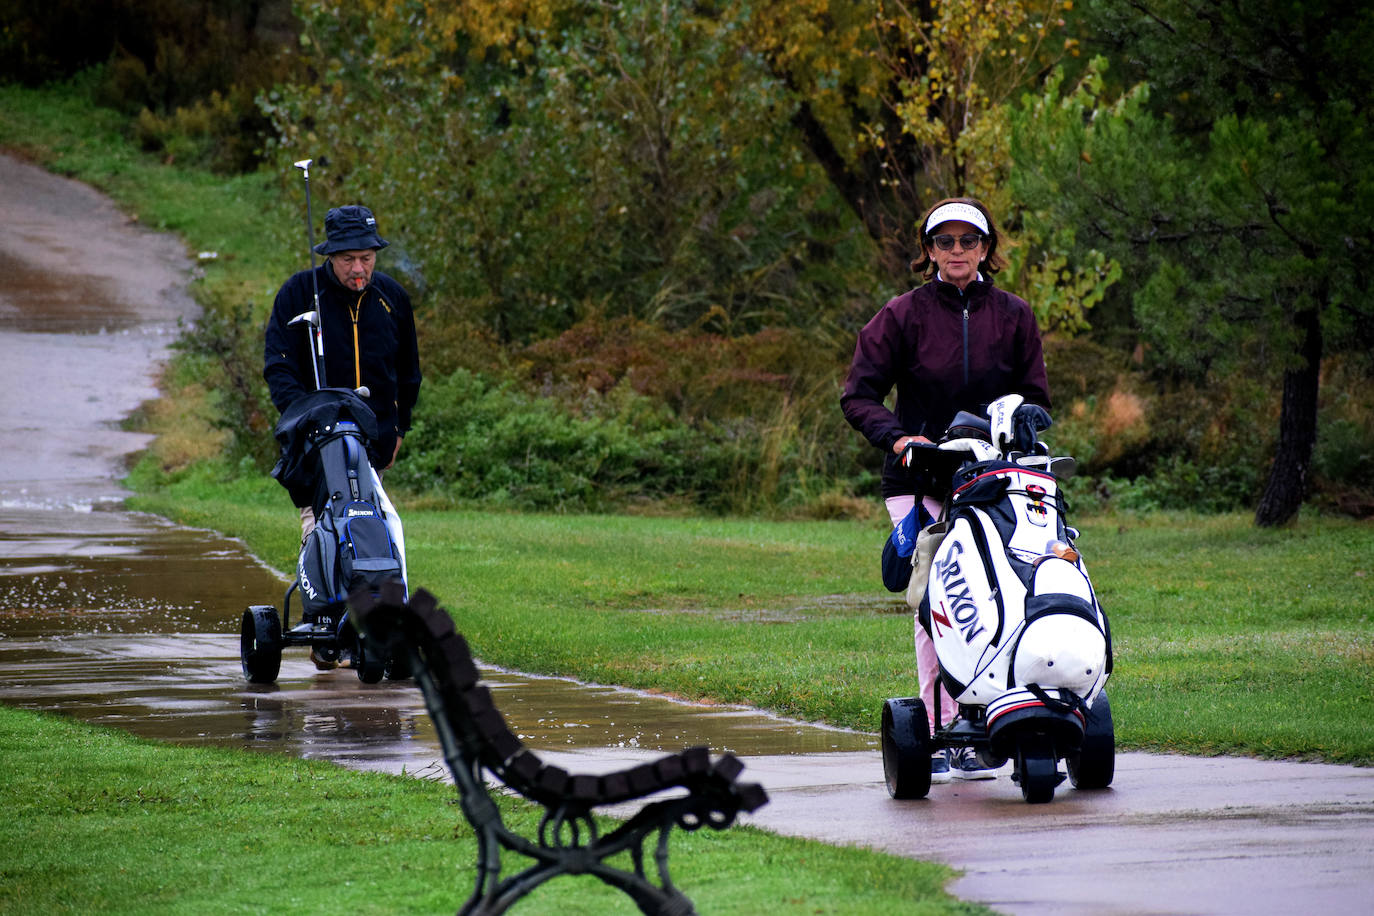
(127,621)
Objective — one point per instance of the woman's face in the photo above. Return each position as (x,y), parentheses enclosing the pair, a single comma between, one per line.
(958,265)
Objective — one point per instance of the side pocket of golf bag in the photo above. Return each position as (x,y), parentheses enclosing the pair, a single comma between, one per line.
(367,556)
(315,572)
(927,542)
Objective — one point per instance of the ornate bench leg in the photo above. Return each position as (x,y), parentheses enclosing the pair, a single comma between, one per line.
(488,875)
(476,738)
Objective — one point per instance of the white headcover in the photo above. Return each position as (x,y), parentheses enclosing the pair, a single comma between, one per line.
(969,214)
(1000,412)
(980,450)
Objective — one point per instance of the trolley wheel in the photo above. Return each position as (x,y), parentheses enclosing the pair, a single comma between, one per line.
(260,644)
(989,760)
(370,664)
(398,665)
(1093,765)
(1037,768)
(906,748)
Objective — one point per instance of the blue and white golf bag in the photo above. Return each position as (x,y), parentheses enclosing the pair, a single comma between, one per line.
(358,540)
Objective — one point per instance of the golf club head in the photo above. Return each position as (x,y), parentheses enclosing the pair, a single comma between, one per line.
(304,164)
(311,318)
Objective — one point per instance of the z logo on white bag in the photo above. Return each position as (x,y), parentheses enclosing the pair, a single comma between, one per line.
(965,609)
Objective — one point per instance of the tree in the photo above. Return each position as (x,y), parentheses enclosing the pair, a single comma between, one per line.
(897,104)
(1238,186)
(905,103)
(630,159)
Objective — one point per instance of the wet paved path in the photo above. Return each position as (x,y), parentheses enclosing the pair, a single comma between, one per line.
(125,620)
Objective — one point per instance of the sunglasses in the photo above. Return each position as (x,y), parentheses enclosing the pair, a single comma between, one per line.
(967,242)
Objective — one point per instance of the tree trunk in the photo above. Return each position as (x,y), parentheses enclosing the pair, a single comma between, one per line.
(863,192)
(1287,486)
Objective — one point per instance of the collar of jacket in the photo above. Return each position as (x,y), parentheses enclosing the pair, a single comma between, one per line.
(971,296)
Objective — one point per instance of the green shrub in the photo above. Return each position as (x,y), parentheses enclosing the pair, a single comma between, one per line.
(1180,484)
(223,354)
(221,133)
(475,439)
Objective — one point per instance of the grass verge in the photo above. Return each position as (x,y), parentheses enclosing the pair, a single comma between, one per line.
(100,822)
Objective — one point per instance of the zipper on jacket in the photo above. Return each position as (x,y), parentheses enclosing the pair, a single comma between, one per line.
(357,357)
(355,331)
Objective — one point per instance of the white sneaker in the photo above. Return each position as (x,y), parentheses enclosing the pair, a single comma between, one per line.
(939,767)
(964,764)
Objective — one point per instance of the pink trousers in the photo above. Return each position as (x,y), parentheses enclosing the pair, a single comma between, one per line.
(927,663)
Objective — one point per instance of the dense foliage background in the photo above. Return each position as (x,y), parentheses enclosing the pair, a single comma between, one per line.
(643,235)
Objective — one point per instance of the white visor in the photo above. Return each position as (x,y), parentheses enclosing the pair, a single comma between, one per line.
(969,214)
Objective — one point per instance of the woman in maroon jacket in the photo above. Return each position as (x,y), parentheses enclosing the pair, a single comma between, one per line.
(955,343)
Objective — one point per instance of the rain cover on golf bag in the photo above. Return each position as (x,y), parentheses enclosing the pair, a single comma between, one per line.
(358,539)
(1009,604)
(299,433)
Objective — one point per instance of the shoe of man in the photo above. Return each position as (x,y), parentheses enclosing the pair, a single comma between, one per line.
(964,764)
(325,660)
(939,767)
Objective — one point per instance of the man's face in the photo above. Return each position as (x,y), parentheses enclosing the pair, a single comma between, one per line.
(354,268)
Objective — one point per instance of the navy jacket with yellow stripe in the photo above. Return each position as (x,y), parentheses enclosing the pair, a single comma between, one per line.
(369,340)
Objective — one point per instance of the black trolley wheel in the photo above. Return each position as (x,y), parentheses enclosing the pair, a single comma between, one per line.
(1093,765)
(989,760)
(260,644)
(1037,768)
(370,664)
(906,748)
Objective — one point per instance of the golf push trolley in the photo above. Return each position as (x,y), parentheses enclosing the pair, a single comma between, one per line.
(1024,647)
(357,540)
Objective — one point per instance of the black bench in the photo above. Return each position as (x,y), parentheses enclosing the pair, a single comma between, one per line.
(475,737)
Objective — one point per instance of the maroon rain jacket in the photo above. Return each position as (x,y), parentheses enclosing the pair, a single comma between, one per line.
(945,350)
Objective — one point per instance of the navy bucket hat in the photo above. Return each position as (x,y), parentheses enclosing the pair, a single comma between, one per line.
(350,228)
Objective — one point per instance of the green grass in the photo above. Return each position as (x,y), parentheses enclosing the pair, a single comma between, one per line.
(1228,638)
(1234,639)
(101,822)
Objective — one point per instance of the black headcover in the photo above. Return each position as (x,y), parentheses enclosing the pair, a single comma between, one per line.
(966,425)
(931,468)
(304,419)
(1027,422)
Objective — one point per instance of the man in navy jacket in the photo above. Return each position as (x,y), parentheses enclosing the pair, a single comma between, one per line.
(368,327)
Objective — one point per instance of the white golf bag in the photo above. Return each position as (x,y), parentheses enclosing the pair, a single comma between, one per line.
(1023,644)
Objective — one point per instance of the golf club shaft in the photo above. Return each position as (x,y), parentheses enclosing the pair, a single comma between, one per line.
(316,332)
